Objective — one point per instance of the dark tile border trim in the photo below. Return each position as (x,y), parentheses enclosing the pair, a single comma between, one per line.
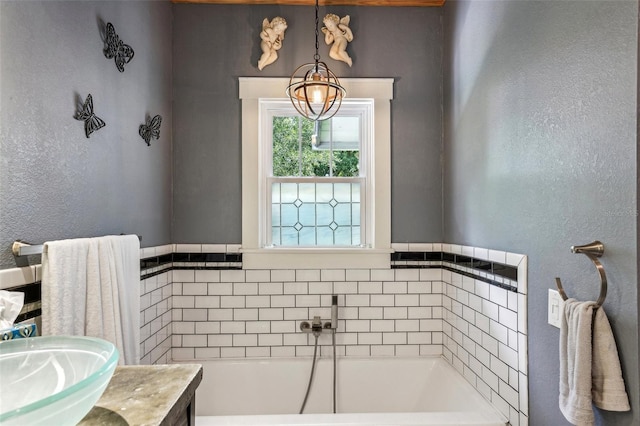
(155,261)
(156,265)
(481,278)
(485,266)
(32,292)
(28,315)
(201,261)
(223,261)
(207,257)
(32,299)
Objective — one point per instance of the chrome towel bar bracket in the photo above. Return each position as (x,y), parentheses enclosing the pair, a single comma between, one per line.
(593,251)
(20,248)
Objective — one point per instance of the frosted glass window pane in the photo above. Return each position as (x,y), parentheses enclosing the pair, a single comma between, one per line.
(355,214)
(289,215)
(324,192)
(355,191)
(324,213)
(307,236)
(275,215)
(275,235)
(303,222)
(342,214)
(289,236)
(325,236)
(307,192)
(343,236)
(307,215)
(275,193)
(289,192)
(355,234)
(342,192)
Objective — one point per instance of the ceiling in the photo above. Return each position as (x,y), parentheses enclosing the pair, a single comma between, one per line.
(419,3)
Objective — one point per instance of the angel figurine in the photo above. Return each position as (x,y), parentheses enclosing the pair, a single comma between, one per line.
(337,31)
(272,35)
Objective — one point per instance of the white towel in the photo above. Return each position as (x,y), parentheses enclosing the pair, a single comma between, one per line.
(125,250)
(589,369)
(91,287)
(608,389)
(64,289)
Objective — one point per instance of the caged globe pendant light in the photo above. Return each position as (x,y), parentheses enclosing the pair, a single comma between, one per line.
(314,89)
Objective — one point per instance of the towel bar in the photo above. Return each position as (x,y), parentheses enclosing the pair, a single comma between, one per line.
(21,248)
(592,251)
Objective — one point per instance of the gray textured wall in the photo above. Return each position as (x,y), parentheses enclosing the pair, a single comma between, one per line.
(540,148)
(54,182)
(214,45)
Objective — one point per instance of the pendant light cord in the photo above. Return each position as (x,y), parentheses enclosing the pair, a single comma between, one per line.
(317,56)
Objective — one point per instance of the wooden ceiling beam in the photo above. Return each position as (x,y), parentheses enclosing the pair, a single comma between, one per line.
(414,3)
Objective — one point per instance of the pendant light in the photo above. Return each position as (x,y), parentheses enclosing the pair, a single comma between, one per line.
(314,89)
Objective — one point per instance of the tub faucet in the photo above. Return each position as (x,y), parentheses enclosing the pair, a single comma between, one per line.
(316,326)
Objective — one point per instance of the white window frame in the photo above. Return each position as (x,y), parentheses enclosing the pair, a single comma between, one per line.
(251,91)
(270,108)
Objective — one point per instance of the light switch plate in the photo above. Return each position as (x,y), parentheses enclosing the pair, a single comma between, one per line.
(555,308)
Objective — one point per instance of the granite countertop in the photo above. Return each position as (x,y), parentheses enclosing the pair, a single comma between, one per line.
(146,395)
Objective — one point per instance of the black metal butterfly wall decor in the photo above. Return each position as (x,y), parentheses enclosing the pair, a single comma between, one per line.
(91,121)
(151,129)
(116,49)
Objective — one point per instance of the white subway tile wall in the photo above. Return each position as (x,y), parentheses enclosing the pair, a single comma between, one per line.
(485,333)
(155,319)
(156,303)
(258,312)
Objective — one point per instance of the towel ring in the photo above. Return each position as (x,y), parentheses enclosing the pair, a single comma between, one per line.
(593,251)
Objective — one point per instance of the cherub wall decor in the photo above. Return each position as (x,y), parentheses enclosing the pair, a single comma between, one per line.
(272,35)
(337,31)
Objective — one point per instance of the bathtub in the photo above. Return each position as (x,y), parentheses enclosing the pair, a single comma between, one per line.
(370,391)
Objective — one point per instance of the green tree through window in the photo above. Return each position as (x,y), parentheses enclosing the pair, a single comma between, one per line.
(293,153)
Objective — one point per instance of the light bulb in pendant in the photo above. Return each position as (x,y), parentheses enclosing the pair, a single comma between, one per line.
(317,95)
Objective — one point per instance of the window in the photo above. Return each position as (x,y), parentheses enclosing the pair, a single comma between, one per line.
(315,176)
(261,96)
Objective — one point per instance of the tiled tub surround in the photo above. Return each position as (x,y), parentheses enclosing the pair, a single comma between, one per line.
(467,304)
(155,305)
(155,319)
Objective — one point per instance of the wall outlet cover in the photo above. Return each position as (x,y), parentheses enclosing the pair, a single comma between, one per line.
(555,308)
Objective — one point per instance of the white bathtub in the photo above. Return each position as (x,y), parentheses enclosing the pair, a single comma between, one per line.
(370,391)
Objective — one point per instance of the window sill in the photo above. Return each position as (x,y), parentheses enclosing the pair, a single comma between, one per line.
(316,258)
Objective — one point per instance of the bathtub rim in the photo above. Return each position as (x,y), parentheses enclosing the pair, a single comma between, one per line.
(358,419)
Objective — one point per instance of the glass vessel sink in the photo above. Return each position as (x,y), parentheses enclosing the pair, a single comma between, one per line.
(53,380)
